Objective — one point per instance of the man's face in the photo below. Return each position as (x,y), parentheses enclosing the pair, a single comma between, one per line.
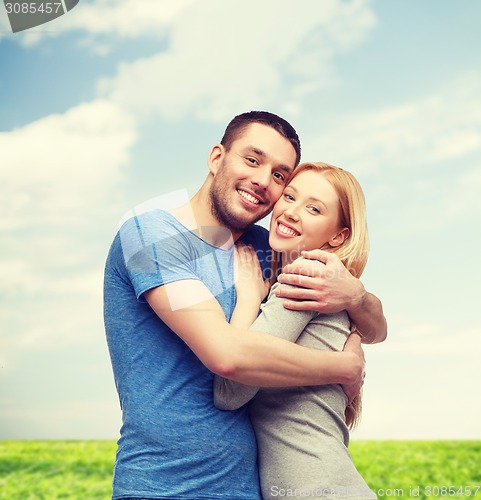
(250,177)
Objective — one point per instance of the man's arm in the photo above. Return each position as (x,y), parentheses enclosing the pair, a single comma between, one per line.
(252,358)
(332,288)
(277,321)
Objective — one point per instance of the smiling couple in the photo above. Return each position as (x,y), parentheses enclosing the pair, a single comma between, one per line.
(185,356)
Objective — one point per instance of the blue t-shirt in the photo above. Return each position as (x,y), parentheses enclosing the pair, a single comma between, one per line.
(173,442)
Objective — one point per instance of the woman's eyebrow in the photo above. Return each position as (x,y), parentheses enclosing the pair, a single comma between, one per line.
(311,198)
(317,200)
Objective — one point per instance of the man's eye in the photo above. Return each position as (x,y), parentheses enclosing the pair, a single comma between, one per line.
(279,176)
(252,161)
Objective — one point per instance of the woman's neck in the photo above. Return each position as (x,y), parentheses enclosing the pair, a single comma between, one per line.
(287,258)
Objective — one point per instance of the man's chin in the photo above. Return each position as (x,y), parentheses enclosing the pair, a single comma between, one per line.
(241,221)
(238,217)
(252,218)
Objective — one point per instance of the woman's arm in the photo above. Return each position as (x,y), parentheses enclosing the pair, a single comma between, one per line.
(249,357)
(251,289)
(276,321)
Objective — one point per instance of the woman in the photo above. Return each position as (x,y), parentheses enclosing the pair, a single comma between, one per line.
(302,432)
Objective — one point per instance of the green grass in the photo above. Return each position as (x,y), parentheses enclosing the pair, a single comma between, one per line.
(82,470)
(51,470)
(404,466)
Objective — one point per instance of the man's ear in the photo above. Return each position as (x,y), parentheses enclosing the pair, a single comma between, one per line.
(339,237)
(214,160)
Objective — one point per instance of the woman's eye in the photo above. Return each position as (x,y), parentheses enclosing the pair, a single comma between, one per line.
(314,210)
(288,197)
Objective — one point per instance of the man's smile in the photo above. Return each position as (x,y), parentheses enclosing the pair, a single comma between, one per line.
(250,198)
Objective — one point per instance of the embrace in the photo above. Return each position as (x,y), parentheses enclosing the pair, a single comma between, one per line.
(218,400)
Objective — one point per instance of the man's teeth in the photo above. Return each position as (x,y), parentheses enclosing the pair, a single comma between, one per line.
(248,197)
(287,230)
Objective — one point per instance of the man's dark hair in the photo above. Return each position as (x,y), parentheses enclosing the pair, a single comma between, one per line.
(242,121)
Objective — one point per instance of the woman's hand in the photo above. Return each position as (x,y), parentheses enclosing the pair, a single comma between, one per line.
(249,283)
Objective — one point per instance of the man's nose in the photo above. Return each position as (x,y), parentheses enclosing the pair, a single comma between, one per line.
(262,177)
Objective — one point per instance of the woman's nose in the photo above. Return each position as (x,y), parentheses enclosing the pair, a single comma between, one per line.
(291,213)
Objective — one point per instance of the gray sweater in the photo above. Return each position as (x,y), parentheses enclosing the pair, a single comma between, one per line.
(301,432)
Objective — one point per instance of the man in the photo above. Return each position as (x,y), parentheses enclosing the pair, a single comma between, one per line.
(168,297)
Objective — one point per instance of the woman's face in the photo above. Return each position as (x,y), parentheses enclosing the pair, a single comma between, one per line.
(306,216)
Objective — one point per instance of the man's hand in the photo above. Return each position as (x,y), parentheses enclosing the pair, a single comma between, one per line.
(353,389)
(325,289)
(330,289)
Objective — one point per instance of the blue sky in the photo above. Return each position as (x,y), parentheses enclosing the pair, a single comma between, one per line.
(119,101)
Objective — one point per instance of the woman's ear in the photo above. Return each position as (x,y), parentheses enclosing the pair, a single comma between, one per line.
(339,238)
(214,160)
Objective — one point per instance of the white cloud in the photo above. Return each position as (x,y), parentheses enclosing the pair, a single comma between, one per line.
(418,380)
(125,18)
(48,310)
(25,276)
(92,419)
(57,169)
(229,56)
(221,57)
(65,326)
(422,133)
(430,340)
(4,24)
(55,176)
(409,408)
(118,18)
(465,196)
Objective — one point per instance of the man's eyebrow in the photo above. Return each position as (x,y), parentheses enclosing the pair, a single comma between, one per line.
(255,150)
(262,154)
(287,169)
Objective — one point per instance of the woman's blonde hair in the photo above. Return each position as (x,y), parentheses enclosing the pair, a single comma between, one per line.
(353,252)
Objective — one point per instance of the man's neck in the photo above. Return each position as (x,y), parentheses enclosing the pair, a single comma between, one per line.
(197,216)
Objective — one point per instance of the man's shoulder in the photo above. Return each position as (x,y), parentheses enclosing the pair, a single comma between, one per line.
(153,220)
(258,237)
(150,227)
(144,235)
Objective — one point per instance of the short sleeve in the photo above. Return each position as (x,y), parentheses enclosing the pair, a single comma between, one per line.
(155,252)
